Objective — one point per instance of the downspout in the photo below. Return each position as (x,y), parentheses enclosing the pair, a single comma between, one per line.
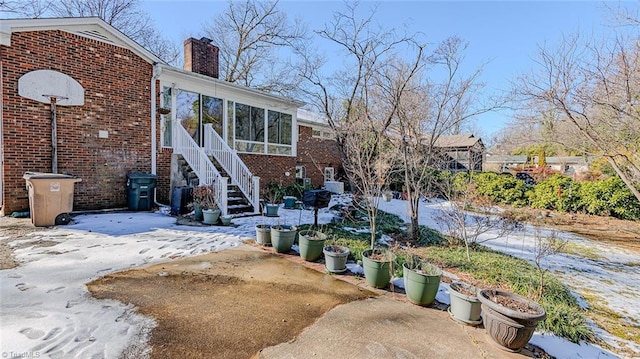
(154,144)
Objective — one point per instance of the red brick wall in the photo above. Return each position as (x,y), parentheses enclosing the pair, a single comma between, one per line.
(201,57)
(312,153)
(315,154)
(271,168)
(117,90)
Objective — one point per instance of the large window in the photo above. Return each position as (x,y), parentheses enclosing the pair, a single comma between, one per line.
(188,112)
(195,110)
(165,119)
(212,112)
(279,131)
(249,128)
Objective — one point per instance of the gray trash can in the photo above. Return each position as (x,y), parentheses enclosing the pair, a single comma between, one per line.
(50,197)
(140,188)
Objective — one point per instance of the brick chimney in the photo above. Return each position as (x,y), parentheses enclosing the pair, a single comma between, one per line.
(201,57)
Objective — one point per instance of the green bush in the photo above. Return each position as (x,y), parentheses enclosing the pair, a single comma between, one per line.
(558,192)
(609,197)
(502,188)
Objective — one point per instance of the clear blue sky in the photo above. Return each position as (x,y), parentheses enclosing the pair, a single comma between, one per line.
(502,34)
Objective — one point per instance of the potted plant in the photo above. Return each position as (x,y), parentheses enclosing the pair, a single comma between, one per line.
(289,202)
(263,234)
(204,196)
(282,237)
(378,265)
(226,219)
(311,244)
(335,258)
(421,280)
(509,319)
(272,197)
(465,305)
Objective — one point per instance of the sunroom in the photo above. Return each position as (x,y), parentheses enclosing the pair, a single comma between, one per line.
(247,120)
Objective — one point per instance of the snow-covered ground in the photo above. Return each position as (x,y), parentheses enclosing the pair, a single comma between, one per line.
(46,310)
(611,276)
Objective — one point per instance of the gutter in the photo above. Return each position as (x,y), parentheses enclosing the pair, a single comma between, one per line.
(154,145)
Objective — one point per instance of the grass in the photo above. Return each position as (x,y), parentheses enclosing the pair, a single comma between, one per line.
(581,251)
(565,318)
(609,320)
(489,268)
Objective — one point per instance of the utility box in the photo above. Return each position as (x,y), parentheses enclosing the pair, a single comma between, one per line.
(50,197)
(140,188)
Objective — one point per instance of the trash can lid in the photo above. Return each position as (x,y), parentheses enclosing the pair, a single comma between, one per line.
(45,175)
(141,175)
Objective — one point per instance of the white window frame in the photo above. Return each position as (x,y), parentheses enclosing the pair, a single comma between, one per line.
(329,174)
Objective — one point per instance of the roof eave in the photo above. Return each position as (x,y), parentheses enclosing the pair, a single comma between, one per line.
(74,25)
(238,88)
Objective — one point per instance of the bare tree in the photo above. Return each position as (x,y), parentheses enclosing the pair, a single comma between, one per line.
(469,217)
(26,8)
(124,15)
(430,110)
(545,246)
(592,92)
(361,100)
(250,34)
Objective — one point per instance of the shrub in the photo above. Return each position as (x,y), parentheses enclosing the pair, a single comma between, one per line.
(609,197)
(558,193)
(502,188)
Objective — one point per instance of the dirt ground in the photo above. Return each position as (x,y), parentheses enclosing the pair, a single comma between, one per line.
(12,229)
(229,304)
(624,234)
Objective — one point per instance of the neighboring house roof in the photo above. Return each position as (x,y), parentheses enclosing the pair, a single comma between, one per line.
(90,27)
(505,159)
(312,118)
(577,160)
(458,141)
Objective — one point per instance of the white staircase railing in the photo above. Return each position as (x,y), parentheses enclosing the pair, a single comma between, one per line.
(229,160)
(200,163)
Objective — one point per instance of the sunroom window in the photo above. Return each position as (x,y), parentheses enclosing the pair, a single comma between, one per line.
(249,128)
(165,120)
(279,131)
(254,133)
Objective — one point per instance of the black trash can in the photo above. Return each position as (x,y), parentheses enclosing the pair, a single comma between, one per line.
(140,188)
(181,197)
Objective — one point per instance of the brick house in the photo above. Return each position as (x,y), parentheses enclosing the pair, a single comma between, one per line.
(139,114)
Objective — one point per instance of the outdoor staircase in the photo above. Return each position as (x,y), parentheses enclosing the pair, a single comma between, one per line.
(237,203)
(237,189)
